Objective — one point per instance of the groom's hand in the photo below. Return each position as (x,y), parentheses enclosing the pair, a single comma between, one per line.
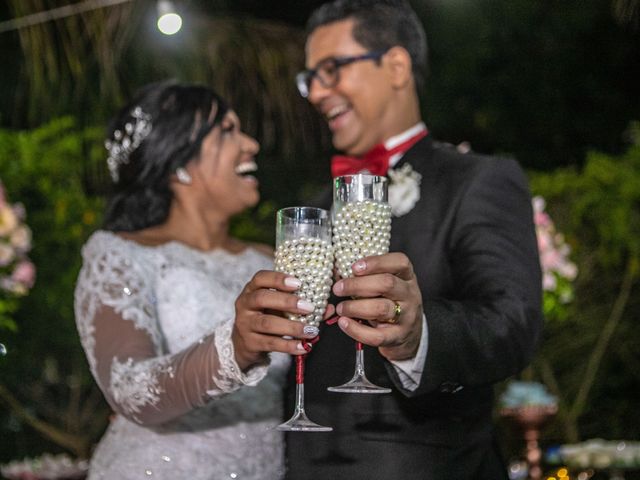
(385,293)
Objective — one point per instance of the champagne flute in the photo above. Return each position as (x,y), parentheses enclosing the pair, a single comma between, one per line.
(303,249)
(361,228)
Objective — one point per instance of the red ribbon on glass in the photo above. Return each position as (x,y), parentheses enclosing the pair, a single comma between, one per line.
(301,358)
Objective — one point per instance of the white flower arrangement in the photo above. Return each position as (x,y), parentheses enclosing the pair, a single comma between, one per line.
(48,466)
(404,189)
(523,394)
(597,453)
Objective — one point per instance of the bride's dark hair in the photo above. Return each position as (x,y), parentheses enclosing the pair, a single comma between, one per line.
(180,116)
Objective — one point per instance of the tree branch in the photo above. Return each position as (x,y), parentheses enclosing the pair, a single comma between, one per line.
(595,359)
(549,378)
(77,444)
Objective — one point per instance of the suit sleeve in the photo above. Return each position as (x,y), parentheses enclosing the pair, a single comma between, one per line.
(488,330)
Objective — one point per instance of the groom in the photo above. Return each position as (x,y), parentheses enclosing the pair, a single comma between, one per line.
(453,309)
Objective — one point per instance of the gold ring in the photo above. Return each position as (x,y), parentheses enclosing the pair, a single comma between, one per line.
(397,310)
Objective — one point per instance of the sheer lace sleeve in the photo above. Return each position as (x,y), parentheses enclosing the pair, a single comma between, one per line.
(116,319)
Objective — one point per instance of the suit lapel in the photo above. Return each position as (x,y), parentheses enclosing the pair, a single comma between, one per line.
(420,157)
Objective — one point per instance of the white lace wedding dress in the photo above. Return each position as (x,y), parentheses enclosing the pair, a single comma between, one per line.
(161,353)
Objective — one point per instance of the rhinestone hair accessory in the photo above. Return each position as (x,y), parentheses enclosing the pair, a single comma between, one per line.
(125,142)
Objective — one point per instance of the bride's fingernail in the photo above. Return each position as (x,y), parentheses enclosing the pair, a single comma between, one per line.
(299,346)
(292,282)
(311,330)
(306,305)
(338,288)
(360,265)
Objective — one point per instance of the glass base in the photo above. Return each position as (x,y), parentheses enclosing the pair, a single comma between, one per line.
(359,384)
(301,423)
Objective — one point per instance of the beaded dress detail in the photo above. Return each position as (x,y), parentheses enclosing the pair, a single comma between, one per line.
(162,355)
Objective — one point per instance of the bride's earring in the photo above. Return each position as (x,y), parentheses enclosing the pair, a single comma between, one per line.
(183,176)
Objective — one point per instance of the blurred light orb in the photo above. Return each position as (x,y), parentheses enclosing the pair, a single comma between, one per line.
(170,23)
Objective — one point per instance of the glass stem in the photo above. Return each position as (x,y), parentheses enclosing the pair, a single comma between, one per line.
(300,383)
(299,398)
(359,357)
(359,360)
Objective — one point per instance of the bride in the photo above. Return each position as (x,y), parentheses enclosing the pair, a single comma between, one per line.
(175,316)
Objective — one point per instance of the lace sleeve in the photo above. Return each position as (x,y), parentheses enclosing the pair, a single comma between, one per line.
(119,331)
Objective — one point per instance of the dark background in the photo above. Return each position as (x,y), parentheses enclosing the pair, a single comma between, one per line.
(546,82)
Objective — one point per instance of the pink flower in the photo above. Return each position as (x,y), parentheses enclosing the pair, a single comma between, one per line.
(24,273)
(541,219)
(538,204)
(17,273)
(20,211)
(8,220)
(553,249)
(569,270)
(544,240)
(7,254)
(21,238)
(549,282)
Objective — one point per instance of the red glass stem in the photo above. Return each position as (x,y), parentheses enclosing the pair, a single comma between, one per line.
(300,369)
(301,358)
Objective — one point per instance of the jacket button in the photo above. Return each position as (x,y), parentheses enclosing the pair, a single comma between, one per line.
(450,387)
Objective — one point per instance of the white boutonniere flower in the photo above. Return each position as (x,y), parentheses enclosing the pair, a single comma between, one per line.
(404,189)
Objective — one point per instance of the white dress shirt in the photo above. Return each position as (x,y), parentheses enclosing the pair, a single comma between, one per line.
(410,370)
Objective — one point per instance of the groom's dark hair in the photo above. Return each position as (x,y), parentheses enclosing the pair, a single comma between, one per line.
(379,25)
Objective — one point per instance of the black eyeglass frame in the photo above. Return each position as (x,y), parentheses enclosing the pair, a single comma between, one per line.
(305,77)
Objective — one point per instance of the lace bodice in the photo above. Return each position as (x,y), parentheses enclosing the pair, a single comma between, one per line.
(155,323)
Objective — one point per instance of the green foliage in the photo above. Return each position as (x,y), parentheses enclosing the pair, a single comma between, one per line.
(602,203)
(257,225)
(7,307)
(43,170)
(555,305)
(589,356)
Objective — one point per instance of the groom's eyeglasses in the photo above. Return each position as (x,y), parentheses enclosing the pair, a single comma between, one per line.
(328,71)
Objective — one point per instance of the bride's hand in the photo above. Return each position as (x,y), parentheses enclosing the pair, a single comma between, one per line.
(259,328)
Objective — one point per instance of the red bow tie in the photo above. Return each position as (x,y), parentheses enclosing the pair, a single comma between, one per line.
(375,161)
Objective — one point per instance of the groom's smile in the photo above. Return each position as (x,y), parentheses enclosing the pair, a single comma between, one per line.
(357,106)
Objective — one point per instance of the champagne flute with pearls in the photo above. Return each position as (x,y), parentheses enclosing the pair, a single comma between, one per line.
(361,228)
(303,250)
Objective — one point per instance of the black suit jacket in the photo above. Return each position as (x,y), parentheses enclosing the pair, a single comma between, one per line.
(472,243)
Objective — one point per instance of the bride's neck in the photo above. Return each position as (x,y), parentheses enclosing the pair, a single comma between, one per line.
(199,229)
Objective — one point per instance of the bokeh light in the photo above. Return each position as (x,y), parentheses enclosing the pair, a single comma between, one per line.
(170,23)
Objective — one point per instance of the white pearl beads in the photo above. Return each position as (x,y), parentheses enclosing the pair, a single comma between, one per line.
(310,260)
(360,229)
